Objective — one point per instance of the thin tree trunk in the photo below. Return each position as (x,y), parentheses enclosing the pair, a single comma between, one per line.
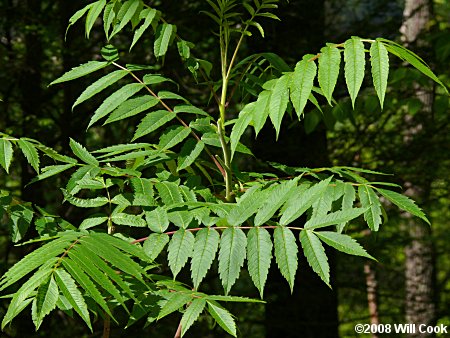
(420,302)
(372,294)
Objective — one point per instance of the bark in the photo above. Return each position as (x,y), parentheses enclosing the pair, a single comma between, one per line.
(372,294)
(420,302)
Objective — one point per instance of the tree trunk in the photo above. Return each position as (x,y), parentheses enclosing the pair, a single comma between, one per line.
(420,302)
(372,295)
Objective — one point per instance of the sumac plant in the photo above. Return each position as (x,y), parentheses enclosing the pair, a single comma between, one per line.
(178,178)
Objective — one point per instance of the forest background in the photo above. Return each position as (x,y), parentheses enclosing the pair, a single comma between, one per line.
(410,139)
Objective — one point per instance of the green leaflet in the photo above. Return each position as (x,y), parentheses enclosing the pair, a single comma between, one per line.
(181,218)
(151,79)
(69,289)
(86,283)
(125,14)
(172,136)
(166,95)
(100,85)
(236,299)
(212,139)
(131,156)
(19,300)
(93,14)
(157,220)
(278,102)
(323,204)
(247,205)
(334,218)
(54,154)
(77,16)
(189,109)
(92,184)
(143,191)
(20,217)
(154,244)
(103,248)
(302,81)
(259,255)
(36,259)
(261,110)
(286,251)
(343,243)
(347,203)
(80,71)
(315,255)
(164,34)
(127,219)
(149,14)
(114,100)
(109,14)
(180,249)
(93,221)
(189,152)
(184,49)
(51,171)
(205,248)
(122,244)
(84,203)
(222,317)
(244,119)
(81,152)
(403,203)
(6,154)
(153,121)
(191,314)
(413,59)
(100,272)
(84,172)
(354,57)
(231,256)
(275,200)
(30,153)
(297,204)
(45,301)
(121,148)
(82,257)
(169,193)
(329,65)
(369,200)
(380,69)
(175,301)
